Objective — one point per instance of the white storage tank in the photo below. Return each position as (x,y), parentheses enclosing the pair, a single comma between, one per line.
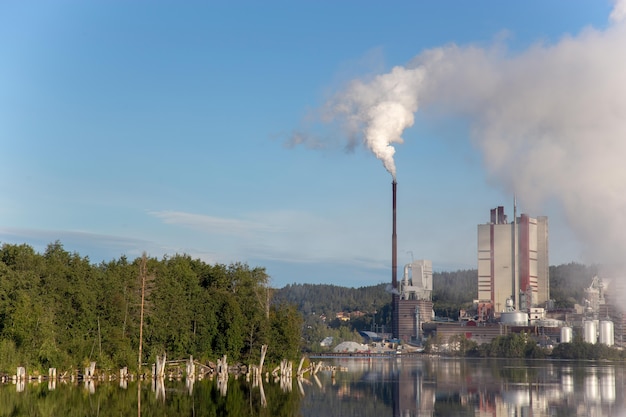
(606,332)
(590,331)
(514,318)
(566,334)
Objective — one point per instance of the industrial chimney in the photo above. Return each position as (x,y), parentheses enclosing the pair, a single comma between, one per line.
(395,296)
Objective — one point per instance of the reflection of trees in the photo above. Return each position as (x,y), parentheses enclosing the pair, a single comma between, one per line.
(109,400)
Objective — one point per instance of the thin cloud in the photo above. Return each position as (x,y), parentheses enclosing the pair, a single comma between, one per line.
(104,246)
(211,224)
(285,235)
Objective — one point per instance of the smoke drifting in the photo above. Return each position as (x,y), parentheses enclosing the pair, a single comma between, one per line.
(550,121)
(377,112)
(389,288)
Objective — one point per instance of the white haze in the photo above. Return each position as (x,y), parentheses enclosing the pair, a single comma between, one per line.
(551,125)
(550,122)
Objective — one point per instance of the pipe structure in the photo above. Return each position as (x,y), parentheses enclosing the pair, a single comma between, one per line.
(395,297)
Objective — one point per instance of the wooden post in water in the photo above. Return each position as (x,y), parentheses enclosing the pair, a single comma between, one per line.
(318,366)
(299,373)
(191,368)
(222,375)
(21,379)
(21,374)
(52,379)
(160,366)
(222,368)
(90,371)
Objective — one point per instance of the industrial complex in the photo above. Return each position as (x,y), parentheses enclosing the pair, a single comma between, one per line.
(513,291)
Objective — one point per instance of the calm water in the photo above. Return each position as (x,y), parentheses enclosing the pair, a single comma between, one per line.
(379,387)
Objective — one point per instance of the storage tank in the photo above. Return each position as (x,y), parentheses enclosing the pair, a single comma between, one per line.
(590,331)
(606,332)
(566,334)
(514,318)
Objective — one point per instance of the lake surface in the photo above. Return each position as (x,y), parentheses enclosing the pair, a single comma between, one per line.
(362,387)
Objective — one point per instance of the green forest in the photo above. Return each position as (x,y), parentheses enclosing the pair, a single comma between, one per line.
(59,310)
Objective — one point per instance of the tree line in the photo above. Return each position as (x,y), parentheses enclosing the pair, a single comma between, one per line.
(57,309)
(523,346)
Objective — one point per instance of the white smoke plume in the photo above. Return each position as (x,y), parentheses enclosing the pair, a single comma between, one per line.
(377,112)
(550,121)
(389,288)
(619,11)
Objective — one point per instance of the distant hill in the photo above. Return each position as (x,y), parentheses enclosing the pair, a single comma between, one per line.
(329,299)
(568,283)
(451,291)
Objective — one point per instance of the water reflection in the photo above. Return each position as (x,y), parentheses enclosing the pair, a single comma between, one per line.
(495,388)
(158,387)
(378,387)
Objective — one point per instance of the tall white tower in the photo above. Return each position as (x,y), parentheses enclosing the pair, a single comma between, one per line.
(513,261)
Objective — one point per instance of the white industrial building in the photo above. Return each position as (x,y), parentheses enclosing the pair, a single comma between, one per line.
(415,304)
(512,263)
(417,281)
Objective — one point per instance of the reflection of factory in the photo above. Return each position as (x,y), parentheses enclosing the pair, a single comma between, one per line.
(426,388)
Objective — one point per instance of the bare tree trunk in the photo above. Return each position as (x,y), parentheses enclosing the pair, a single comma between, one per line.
(125,311)
(263,352)
(99,339)
(142,275)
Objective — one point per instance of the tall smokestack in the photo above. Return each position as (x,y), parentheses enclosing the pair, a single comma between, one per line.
(395,297)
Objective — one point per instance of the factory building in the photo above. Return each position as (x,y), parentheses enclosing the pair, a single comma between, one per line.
(513,264)
(415,305)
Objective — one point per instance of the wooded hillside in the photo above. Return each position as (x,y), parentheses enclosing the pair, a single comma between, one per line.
(324,299)
(451,291)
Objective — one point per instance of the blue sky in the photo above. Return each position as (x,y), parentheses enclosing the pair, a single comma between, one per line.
(165,127)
